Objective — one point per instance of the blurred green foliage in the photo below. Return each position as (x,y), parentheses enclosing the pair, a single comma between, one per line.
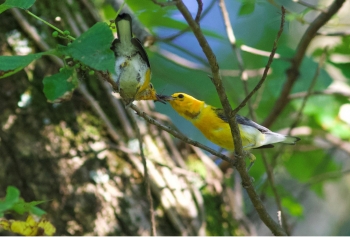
(13,202)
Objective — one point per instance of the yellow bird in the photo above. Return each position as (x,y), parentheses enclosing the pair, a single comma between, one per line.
(213,123)
(132,67)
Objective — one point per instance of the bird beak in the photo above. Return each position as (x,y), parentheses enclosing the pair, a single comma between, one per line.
(164,98)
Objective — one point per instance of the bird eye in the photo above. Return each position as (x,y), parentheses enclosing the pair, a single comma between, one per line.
(151,86)
(180,96)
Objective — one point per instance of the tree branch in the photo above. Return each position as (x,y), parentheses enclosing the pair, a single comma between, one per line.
(293,71)
(146,175)
(241,166)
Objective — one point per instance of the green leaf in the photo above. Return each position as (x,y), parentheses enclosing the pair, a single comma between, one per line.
(344,68)
(247,7)
(11,64)
(343,48)
(60,86)
(22,207)
(92,48)
(12,196)
(23,4)
(37,211)
(309,164)
(294,208)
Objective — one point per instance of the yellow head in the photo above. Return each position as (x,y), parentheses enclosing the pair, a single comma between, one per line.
(149,93)
(186,105)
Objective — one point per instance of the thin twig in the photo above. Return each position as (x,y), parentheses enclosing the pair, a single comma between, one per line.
(181,32)
(47,23)
(259,52)
(42,45)
(293,71)
(199,11)
(324,92)
(267,65)
(279,216)
(232,39)
(307,95)
(311,87)
(164,4)
(326,176)
(241,166)
(196,66)
(293,125)
(146,176)
(340,33)
(271,180)
(309,5)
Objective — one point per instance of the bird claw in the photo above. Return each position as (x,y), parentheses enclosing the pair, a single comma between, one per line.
(252,159)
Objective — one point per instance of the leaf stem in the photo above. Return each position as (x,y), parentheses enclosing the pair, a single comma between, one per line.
(47,23)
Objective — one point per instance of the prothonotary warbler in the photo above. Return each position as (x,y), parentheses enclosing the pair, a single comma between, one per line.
(213,123)
(132,67)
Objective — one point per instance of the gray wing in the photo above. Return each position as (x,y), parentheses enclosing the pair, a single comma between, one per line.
(244,121)
(136,42)
(241,120)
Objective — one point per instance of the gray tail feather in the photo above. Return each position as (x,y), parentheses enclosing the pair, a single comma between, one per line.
(290,140)
(123,23)
(272,137)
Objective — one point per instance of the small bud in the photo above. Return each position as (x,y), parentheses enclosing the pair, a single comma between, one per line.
(54,34)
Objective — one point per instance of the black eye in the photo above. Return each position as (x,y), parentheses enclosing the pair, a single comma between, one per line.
(151,86)
(180,96)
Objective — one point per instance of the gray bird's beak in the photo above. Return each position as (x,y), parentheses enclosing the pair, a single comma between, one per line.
(164,98)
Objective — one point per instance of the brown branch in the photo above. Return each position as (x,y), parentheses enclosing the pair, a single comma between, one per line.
(326,176)
(271,180)
(244,78)
(172,37)
(199,11)
(241,166)
(146,175)
(324,92)
(340,33)
(269,169)
(311,87)
(216,77)
(293,71)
